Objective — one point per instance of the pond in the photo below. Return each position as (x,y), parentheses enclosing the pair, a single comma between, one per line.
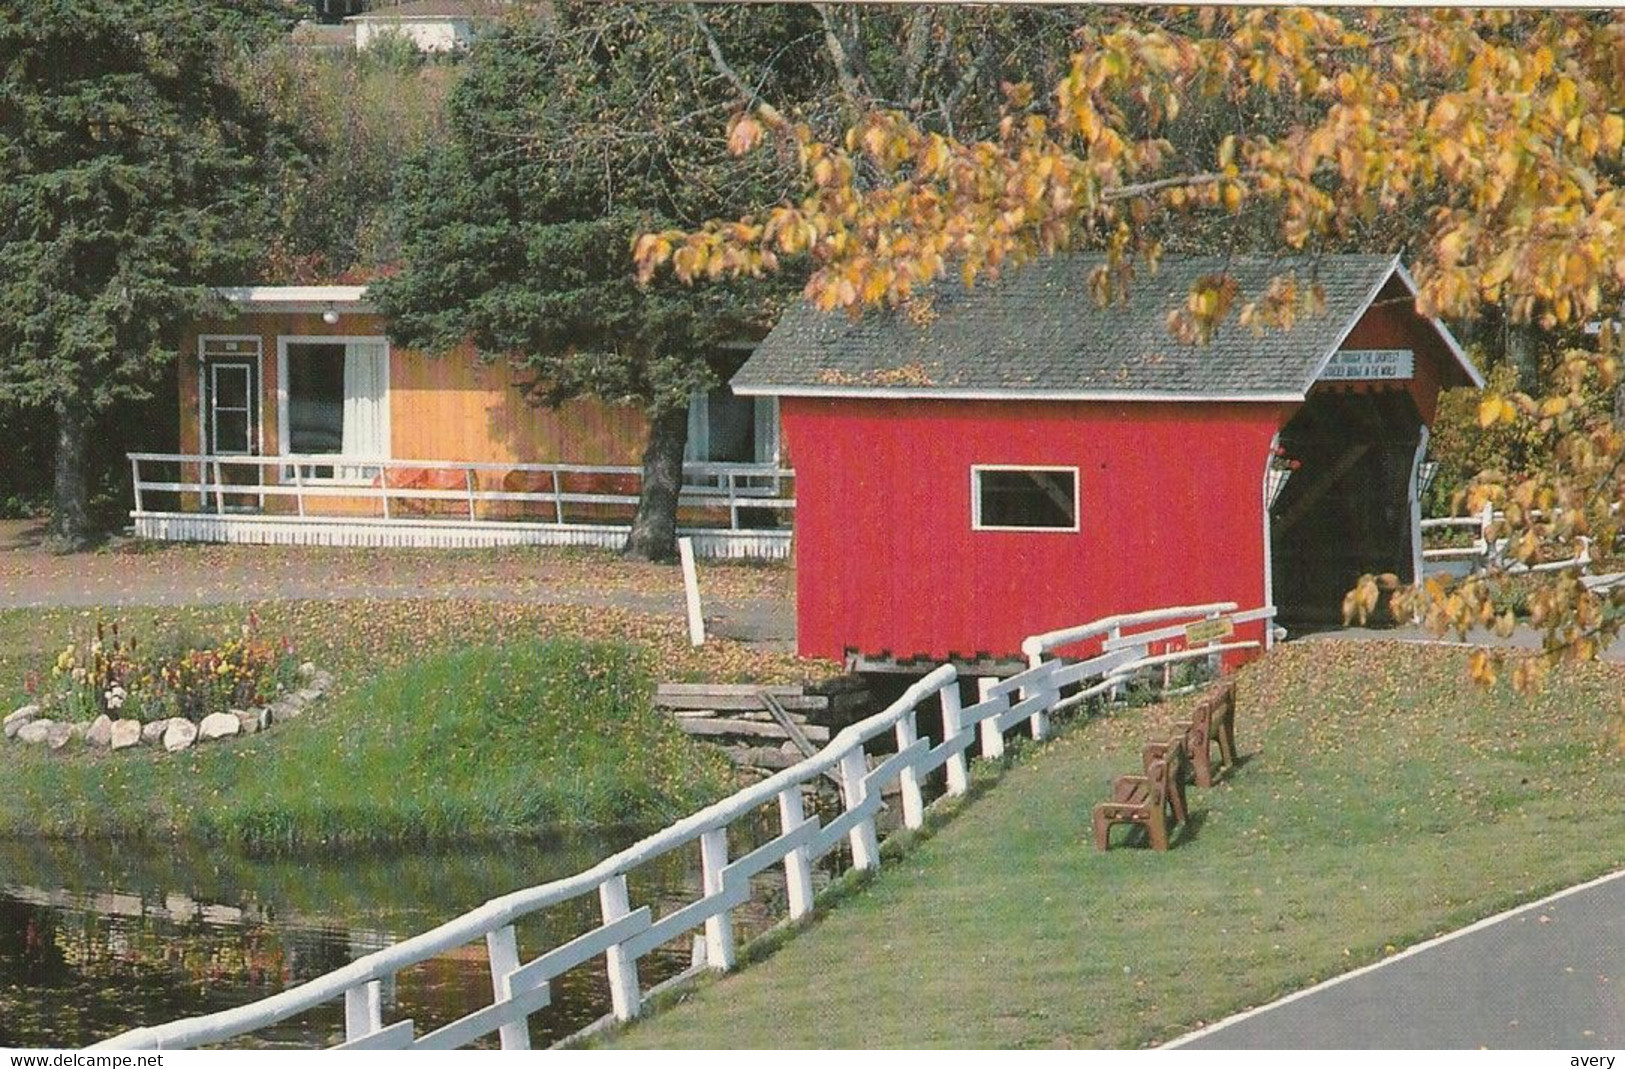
(100,937)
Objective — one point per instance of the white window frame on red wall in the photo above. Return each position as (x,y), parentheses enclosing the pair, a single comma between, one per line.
(976,498)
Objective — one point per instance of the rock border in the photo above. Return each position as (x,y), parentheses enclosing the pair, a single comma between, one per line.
(28,724)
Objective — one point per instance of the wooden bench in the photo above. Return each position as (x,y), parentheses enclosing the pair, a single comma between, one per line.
(1172,751)
(1214,721)
(1154,801)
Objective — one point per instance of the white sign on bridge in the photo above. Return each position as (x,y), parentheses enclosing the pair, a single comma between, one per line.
(1351,365)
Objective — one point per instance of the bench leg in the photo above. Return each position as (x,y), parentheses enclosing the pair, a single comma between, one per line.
(1227,741)
(1177,799)
(1157,827)
(1202,765)
(1102,830)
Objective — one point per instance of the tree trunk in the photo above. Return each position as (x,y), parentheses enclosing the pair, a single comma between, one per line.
(1523,352)
(70,504)
(653,536)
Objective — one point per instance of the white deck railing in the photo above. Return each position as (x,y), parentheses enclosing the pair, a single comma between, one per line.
(626,934)
(719,487)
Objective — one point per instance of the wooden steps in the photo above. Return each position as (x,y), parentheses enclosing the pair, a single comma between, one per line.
(764,726)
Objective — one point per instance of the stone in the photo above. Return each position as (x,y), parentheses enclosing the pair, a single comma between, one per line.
(180,734)
(101,731)
(80,728)
(218,726)
(16,721)
(253,721)
(59,735)
(152,732)
(286,708)
(323,681)
(35,731)
(307,670)
(126,733)
(307,694)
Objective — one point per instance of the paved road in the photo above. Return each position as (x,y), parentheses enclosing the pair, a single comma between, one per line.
(1548,976)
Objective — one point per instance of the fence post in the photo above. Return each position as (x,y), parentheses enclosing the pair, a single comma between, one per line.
(299,490)
(691,592)
(908,780)
(719,928)
(363,1010)
(1116,691)
(992,737)
(1213,662)
(865,846)
(468,480)
(797,866)
(135,481)
(219,492)
(625,1000)
(558,500)
(958,772)
(1038,723)
(502,948)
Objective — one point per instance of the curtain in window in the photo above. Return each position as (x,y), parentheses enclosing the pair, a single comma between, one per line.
(698,449)
(366,431)
(767,430)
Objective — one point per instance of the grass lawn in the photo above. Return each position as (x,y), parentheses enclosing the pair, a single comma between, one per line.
(1381,801)
(450,720)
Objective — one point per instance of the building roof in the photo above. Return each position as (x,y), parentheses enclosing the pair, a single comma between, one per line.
(1037,332)
(319,35)
(297,298)
(438,10)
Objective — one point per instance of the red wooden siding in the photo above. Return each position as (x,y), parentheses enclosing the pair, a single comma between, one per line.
(886,561)
(1391,324)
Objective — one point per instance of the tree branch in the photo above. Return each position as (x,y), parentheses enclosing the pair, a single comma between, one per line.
(851,82)
(914,54)
(752,97)
(1141,189)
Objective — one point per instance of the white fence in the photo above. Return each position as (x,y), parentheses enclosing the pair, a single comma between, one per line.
(1485,553)
(627,933)
(738,510)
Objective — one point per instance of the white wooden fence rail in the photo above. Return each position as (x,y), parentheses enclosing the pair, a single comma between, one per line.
(1489,554)
(729,487)
(626,934)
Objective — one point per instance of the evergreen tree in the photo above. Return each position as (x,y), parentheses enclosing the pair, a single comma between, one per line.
(569,136)
(127,175)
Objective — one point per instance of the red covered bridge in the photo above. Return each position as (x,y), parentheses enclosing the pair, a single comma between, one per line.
(1012,458)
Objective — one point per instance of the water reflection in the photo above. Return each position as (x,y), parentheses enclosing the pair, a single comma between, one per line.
(99,937)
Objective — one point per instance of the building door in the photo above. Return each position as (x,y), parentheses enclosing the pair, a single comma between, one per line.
(231,409)
(231,421)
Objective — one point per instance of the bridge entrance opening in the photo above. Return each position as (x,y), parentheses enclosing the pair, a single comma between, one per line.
(1348,508)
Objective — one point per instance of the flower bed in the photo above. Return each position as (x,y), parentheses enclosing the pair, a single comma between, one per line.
(111,692)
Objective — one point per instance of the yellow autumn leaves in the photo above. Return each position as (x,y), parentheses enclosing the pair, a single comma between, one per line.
(1506,122)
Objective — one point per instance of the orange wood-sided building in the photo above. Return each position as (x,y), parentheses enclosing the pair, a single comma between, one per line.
(298,412)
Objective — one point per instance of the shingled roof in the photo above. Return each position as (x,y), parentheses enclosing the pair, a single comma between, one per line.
(1037,331)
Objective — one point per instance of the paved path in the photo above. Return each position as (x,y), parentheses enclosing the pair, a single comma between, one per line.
(1523,638)
(1550,975)
(751,603)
